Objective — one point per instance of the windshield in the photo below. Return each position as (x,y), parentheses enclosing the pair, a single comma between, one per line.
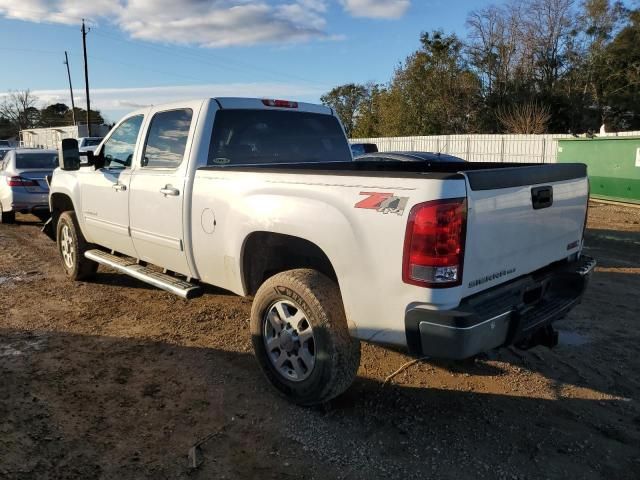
(247,137)
(47,161)
(4,143)
(91,142)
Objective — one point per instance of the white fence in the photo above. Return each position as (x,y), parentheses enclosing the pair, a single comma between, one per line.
(482,148)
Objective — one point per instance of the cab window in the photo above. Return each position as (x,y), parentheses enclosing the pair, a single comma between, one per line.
(118,149)
(167,139)
(254,137)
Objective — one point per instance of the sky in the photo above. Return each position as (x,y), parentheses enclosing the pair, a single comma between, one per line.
(144,52)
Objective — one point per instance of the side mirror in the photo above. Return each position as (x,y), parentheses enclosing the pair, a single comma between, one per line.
(96,160)
(68,154)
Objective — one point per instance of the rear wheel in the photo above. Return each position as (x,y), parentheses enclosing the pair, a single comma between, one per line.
(301,338)
(72,245)
(7,217)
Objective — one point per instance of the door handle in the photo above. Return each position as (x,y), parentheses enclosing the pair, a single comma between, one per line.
(119,187)
(169,190)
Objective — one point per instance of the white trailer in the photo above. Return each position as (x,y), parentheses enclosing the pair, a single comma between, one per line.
(52,136)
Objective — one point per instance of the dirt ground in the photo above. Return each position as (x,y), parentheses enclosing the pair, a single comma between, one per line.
(113,379)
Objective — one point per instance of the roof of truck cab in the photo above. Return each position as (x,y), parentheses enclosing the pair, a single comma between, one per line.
(238,103)
(257,103)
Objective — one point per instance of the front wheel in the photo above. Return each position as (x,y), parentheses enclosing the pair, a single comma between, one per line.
(72,245)
(301,338)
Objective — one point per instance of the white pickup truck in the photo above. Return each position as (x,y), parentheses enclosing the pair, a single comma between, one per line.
(262,198)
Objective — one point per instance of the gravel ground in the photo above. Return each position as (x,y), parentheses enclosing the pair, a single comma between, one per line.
(114,379)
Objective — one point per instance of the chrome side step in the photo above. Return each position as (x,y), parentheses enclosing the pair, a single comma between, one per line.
(133,269)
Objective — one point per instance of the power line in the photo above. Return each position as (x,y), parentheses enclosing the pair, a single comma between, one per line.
(150,69)
(225,61)
(71,54)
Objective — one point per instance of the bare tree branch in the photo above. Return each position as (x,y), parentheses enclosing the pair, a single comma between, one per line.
(19,108)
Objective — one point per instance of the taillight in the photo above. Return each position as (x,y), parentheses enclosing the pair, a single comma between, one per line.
(280,103)
(434,244)
(21,182)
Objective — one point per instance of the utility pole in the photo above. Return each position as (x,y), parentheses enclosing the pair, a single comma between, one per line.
(73,103)
(86,76)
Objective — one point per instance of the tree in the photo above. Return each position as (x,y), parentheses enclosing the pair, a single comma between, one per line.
(346,101)
(495,51)
(619,77)
(549,28)
(529,118)
(542,65)
(601,21)
(367,122)
(493,46)
(6,129)
(54,115)
(18,108)
(433,92)
(59,114)
(95,116)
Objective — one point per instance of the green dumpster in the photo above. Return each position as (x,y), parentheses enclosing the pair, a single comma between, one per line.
(613,165)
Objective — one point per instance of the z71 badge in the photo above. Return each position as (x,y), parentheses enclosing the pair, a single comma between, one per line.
(383,202)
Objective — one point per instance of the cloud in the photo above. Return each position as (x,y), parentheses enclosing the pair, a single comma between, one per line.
(117,101)
(223,23)
(67,12)
(207,23)
(377,8)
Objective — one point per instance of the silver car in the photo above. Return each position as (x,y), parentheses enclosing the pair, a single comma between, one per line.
(5,146)
(23,182)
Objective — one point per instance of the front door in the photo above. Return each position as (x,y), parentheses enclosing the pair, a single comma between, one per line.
(105,191)
(157,192)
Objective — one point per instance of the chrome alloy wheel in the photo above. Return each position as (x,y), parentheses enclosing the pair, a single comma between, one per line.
(67,248)
(288,338)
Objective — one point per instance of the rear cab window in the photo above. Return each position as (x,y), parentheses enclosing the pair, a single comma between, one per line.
(254,137)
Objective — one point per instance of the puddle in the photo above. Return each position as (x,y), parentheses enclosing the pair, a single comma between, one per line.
(21,346)
(9,279)
(572,339)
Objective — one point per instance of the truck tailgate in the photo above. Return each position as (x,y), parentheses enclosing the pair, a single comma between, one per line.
(521,219)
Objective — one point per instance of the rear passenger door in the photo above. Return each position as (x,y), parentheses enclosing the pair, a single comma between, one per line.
(157,197)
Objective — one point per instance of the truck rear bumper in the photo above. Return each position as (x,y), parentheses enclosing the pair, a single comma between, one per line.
(501,316)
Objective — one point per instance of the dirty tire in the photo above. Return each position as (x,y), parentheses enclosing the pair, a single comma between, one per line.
(337,354)
(75,265)
(7,217)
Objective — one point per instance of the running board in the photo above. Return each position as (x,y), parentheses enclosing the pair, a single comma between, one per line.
(133,269)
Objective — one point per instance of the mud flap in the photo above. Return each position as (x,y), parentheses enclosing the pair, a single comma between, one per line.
(49,229)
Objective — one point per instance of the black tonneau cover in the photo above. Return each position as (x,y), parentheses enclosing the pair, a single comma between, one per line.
(481,175)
